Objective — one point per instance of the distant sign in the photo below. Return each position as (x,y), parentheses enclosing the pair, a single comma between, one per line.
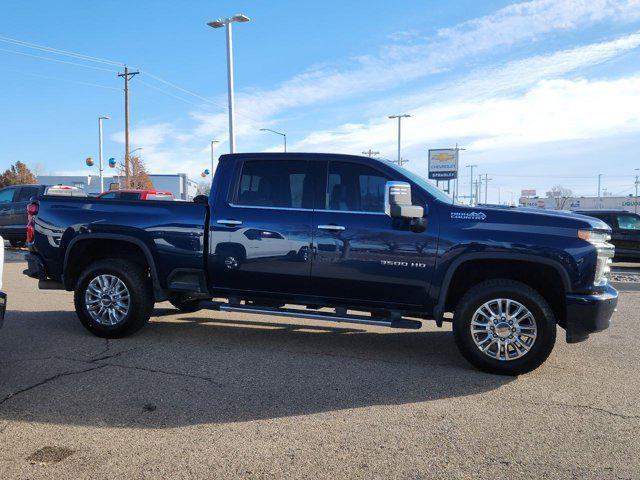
(529,192)
(443,164)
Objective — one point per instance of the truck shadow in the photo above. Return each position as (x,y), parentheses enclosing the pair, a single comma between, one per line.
(186,369)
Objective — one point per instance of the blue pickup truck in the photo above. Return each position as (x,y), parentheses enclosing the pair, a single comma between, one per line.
(338,238)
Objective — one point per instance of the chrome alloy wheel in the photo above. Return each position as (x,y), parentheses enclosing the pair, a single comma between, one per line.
(107,299)
(503,329)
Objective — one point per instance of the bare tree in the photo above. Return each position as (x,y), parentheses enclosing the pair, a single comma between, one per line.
(560,195)
(204,188)
(138,175)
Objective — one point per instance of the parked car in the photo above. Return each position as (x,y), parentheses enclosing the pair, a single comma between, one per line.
(3,296)
(136,195)
(625,231)
(349,233)
(13,207)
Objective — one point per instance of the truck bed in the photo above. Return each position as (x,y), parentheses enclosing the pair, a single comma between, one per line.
(173,234)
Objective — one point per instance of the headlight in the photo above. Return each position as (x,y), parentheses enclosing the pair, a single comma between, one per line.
(605,252)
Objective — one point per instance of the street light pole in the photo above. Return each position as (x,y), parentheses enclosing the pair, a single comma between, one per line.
(599,178)
(284,135)
(635,204)
(471,184)
(213,142)
(399,117)
(227,23)
(100,119)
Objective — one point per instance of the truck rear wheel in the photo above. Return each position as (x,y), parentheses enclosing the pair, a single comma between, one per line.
(504,327)
(114,298)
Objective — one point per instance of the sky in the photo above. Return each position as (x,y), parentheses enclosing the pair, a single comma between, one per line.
(539,93)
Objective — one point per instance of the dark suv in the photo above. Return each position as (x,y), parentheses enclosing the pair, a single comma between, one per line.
(625,231)
(13,211)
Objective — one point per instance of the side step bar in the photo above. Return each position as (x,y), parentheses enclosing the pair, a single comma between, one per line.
(327,316)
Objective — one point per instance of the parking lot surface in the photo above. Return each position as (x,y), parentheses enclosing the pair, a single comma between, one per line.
(215,395)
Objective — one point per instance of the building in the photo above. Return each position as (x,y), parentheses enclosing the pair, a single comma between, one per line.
(181,186)
(629,203)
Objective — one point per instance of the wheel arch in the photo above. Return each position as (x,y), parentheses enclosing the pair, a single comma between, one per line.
(504,265)
(80,245)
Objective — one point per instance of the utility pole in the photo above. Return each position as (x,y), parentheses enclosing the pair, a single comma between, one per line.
(370,153)
(126,75)
(486,187)
(399,117)
(456,191)
(471,184)
(599,177)
(402,161)
(213,142)
(635,204)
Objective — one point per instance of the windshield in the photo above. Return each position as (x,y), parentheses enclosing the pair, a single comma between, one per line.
(423,183)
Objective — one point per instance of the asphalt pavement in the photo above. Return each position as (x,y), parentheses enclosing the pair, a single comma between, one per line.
(215,395)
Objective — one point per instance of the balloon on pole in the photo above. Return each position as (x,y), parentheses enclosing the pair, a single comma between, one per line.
(89,162)
(112,162)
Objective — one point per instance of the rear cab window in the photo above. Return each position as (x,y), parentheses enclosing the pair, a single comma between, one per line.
(275,184)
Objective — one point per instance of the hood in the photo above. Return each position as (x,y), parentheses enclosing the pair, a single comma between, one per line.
(530,216)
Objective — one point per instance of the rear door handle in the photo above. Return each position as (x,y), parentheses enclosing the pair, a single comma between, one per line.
(229,222)
(332,228)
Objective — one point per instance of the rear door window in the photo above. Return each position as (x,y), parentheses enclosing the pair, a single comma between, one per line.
(275,183)
(25,194)
(629,222)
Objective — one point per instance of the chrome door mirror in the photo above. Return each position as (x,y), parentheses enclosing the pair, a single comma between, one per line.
(397,201)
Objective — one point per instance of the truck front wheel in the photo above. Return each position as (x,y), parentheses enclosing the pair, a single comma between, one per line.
(504,327)
(114,298)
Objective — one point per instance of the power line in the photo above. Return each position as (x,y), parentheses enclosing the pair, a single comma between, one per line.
(62,79)
(58,51)
(168,93)
(182,89)
(58,61)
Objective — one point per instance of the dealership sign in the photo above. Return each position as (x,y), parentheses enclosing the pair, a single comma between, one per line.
(443,164)
(528,192)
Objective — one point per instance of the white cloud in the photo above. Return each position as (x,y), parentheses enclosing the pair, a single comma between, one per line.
(471,99)
(396,64)
(553,110)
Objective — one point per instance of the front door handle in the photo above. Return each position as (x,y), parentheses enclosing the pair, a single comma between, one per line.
(332,228)
(229,222)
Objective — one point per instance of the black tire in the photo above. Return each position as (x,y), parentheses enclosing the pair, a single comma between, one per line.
(138,283)
(526,296)
(184,303)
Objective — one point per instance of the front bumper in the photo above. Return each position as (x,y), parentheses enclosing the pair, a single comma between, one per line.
(589,313)
(3,307)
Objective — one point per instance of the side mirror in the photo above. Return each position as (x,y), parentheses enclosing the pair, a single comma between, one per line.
(397,201)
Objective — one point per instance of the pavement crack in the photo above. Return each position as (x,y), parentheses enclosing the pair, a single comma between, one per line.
(165,372)
(113,355)
(48,380)
(598,409)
